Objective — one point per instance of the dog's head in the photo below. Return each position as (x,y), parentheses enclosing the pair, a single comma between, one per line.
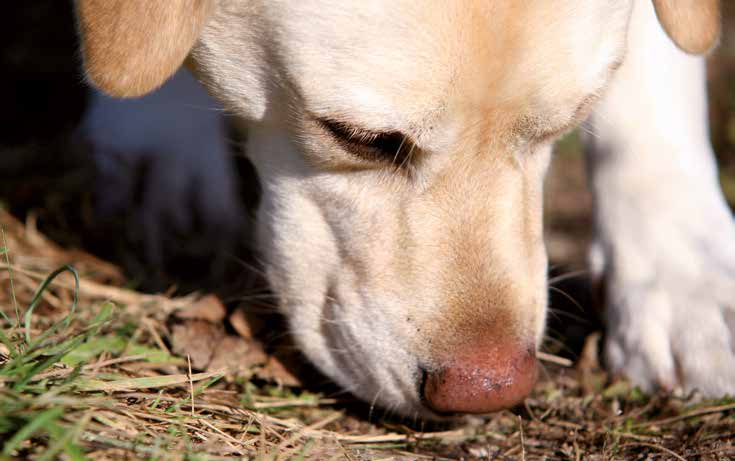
(401,147)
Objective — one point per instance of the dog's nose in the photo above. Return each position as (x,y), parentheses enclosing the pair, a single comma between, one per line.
(481,379)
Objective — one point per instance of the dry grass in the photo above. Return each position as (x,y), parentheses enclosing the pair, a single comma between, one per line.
(86,372)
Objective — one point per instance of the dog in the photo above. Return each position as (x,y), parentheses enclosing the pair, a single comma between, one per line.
(401,148)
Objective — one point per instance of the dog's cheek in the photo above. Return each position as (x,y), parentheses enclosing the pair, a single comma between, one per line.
(295,252)
(296,247)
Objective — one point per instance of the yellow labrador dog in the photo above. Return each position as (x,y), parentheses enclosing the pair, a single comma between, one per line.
(402,147)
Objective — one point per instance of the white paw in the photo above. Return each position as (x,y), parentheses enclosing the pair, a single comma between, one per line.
(666,337)
(670,294)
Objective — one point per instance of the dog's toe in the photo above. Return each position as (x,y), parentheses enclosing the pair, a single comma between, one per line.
(640,348)
(703,347)
(666,339)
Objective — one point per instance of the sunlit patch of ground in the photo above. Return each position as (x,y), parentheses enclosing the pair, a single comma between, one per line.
(91,370)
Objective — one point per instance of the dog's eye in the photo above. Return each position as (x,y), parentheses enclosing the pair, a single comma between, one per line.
(389,146)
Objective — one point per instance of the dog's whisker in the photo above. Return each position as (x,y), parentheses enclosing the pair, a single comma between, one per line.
(373,402)
(568,297)
(558,343)
(253,268)
(567,276)
(589,129)
(564,313)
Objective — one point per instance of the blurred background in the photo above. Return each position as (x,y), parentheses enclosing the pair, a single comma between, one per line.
(171,211)
(54,178)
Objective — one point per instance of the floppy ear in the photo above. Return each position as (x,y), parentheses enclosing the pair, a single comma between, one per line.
(694,25)
(131,47)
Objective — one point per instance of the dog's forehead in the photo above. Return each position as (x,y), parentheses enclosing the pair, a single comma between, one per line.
(400,64)
(384,62)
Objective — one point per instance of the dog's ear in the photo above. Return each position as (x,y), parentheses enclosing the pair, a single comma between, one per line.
(694,25)
(131,47)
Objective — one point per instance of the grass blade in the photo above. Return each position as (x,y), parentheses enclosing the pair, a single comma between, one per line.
(91,385)
(6,253)
(37,297)
(38,422)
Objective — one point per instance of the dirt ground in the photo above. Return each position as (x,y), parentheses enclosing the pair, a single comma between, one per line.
(98,371)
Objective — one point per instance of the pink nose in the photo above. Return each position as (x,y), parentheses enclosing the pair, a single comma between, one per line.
(481,379)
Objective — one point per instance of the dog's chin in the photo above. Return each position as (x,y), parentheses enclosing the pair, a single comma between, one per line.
(365,360)
(368,350)
(387,388)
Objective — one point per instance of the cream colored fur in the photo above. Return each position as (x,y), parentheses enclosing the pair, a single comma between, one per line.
(665,240)
(385,269)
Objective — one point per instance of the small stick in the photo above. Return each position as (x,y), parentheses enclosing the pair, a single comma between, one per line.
(657,447)
(191,385)
(523,442)
(691,414)
(555,359)
(10,276)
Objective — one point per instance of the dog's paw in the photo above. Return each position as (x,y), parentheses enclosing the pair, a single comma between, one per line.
(670,295)
(670,337)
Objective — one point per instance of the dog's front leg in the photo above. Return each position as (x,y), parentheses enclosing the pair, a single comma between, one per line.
(665,236)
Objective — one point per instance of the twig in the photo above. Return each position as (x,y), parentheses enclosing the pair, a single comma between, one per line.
(529,410)
(523,442)
(191,384)
(699,412)
(656,447)
(156,337)
(10,275)
(123,296)
(555,359)
(228,439)
(91,385)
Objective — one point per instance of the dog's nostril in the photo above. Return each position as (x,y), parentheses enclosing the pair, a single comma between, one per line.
(480,380)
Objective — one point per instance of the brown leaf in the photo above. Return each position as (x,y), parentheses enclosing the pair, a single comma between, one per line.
(198,339)
(276,371)
(246,324)
(208,307)
(234,354)
(588,365)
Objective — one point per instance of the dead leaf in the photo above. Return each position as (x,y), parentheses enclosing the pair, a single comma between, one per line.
(588,365)
(234,354)
(248,324)
(589,358)
(198,339)
(208,307)
(276,371)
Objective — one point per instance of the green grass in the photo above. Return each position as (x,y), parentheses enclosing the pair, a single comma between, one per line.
(42,371)
(34,403)
(50,393)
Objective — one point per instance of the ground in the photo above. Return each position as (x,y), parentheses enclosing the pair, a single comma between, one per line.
(90,369)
